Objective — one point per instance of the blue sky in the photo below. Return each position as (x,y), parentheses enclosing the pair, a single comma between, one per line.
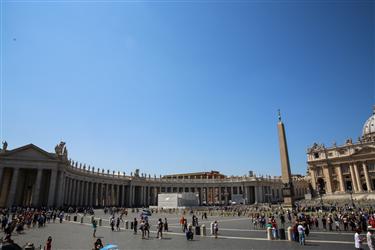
(172,87)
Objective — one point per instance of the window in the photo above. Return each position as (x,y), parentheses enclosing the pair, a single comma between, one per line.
(319,172)
(371,166)
(345,169)
(316,155)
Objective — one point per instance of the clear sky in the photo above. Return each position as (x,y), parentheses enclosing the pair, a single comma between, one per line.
(172,87)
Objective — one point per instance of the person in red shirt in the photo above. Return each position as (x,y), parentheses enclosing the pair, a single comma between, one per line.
(48,244)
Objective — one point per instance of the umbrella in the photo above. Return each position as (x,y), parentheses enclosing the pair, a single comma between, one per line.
(110,247)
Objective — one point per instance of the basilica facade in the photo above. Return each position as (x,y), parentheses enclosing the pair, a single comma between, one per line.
(31,176)
(344,168)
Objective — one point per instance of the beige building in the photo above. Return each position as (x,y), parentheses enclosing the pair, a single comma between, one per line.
(345,168)
(31,176)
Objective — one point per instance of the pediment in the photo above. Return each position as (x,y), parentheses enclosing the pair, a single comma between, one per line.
(365,151)
(29,152)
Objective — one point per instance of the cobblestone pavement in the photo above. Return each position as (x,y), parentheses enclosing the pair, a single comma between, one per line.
(234,233)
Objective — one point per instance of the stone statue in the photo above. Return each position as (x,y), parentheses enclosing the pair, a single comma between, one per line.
(5,146)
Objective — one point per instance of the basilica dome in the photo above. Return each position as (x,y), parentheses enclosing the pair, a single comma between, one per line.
(369,126)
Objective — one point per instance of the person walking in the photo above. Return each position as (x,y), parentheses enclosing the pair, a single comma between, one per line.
(112,222)
(216,229)
(118,224)
(370,238)
(165,225)
(301,234)
(358,239)
(94,226)
(135,224)
(147,229)
(160,229)
(48,245)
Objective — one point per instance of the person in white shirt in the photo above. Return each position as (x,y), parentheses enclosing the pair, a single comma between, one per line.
(358,239)
(370,238)
(301,234)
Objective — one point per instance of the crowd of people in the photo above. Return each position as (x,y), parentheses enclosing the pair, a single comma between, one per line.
(303,219)
(17,220)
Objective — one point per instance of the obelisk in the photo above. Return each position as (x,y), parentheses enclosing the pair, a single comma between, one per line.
(286,176)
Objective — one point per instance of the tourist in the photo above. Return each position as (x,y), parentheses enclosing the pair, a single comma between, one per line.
(216,229)
(182,221)
(94,226)
(135,224)
(147,229)
(48,244)
(370,238)
(142,228)
(98,244)
(301,234)
(118,224)
(189,234)
(112,223)
(160,229)
(358,239)
(165,225)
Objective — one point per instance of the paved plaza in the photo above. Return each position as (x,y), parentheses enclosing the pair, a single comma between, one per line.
(234,233)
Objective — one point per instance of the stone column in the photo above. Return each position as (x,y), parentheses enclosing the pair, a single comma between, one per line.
(142,196)
(367,177)
(313,177)
(246,195)
(1,177)
(86,192)
(72,192)
(354,179)
(98,194)
(109,191)
(113,195)
(36,191)
(61,189)
(13,187)
(118,202)
(52,188)
(327,177)
(103,195)
(340,178)
(78,190)
(358,177)
(219,196)
(66,189)
(130,195)
(123,200)
(260,194)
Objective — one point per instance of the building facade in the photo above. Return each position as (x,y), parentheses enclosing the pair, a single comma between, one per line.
(30,176)
(345,168)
